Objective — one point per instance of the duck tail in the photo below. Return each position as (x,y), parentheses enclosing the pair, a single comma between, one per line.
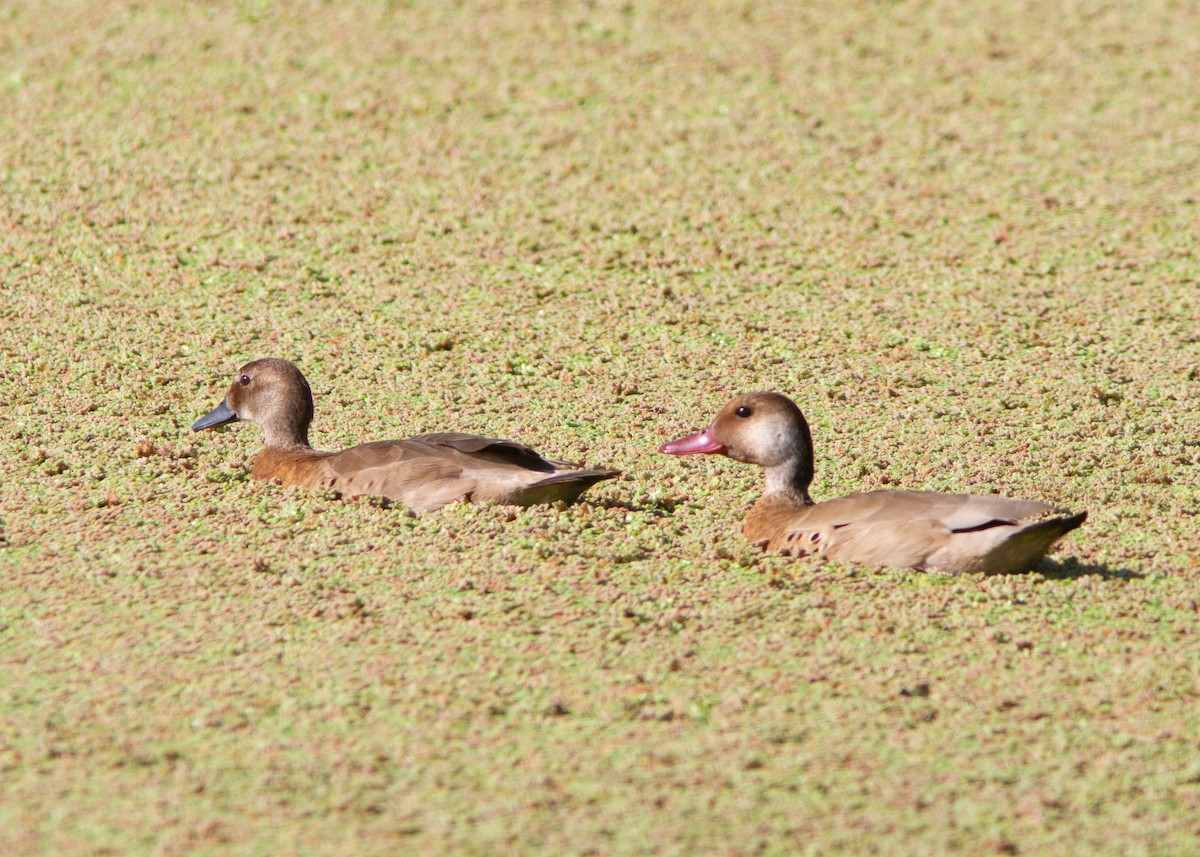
(1022,550)
(566,486)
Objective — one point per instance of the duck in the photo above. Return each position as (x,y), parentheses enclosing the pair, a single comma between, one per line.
(424,473)
(945,533)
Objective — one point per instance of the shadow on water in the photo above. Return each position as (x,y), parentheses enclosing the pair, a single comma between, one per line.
(1071,568)
(664,506)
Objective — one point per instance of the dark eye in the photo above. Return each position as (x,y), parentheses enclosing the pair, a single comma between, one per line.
(743,411)
(244,380)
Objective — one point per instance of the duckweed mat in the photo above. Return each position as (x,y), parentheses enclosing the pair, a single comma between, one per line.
(962,236)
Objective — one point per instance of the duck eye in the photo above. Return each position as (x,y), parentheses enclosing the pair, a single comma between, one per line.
(743,411)
(244,380)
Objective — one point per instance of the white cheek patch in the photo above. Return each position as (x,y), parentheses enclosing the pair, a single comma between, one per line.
(767,443)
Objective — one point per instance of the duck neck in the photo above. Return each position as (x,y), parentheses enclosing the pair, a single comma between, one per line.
(286,435)
(285,418)
(790,480)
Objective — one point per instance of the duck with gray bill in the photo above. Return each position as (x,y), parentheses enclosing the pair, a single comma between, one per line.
(424,472)
(950,533)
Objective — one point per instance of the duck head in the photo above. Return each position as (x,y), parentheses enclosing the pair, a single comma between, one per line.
(766,429)
(271,393)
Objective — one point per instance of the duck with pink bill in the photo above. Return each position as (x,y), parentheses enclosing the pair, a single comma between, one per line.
(948,533)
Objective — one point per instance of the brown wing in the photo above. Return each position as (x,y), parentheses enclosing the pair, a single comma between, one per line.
(428,471)
(506,471)
(417,474)
(491,448)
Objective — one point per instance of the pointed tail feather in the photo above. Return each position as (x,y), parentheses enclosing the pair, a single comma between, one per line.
(566,486)
(1023,550)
